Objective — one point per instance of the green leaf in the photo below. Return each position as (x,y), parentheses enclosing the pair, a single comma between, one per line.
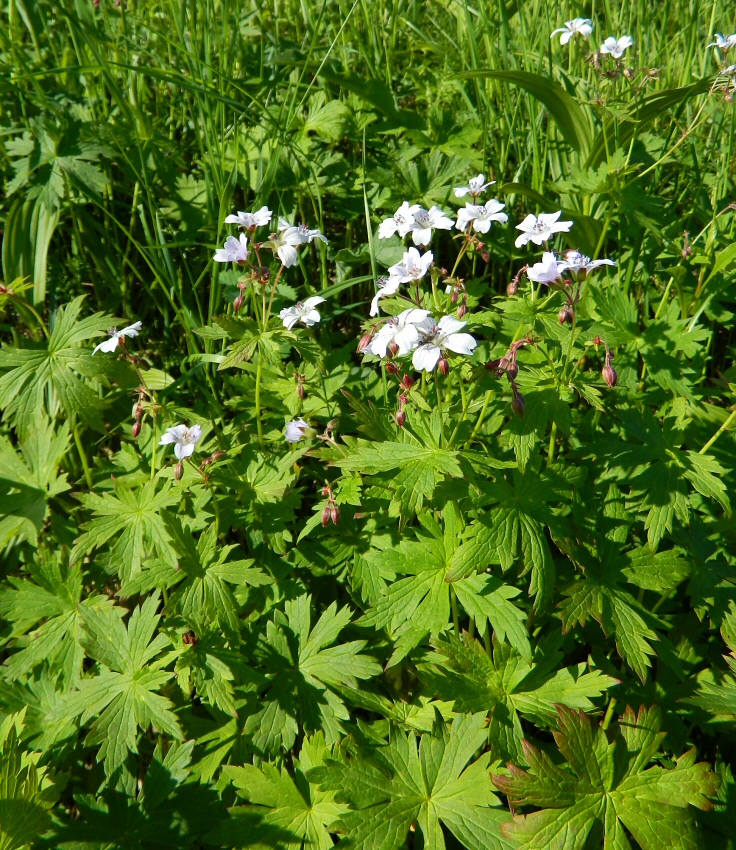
(605,785)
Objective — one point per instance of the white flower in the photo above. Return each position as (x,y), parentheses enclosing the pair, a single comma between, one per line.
(481,215)
(723,42)
(403,329)
(251,220)
(616,46)
(234,250)
(538,230)
(116,337)
(476,186)
(425,221)
(400,222)
(284,245)
(577,26)
(299,234)
(578,264)
(302,311)
(548,271)
(386,286)
(438,336)
(296,430)
(413,267)
(183,438)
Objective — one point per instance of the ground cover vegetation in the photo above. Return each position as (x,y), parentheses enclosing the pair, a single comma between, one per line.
(367,432)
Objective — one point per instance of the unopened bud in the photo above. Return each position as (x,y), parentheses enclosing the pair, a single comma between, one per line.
(393,347)
(400,418)
(512,288)
(518,405)
(493,365)
(391,368)
(136,428)
(238,303)
(610,375)
(407,382)
(179,471)
(629,73)
(190,639)
(364,342)
(444,366)
(597,341)
(216,456)
(486,256)
(512,370)
(454,296)
(301,391)
(325,516)
(335,514)
(462,310)
(565,315)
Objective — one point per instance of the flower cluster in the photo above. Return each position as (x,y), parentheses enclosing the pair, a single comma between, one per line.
(615,47)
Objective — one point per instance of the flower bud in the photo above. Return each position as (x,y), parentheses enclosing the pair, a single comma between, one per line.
(238,303)
(610,375)
(462,310)
(391,368)
(400,418)
(597,341)
(444,366)
(190,639)
(216,456)
(486,256)
(407,382)
(136,428)
(301,391)
(454,296)
(518,405)
(364,342)
(335,514)
(179,470)
(512,370)
(565,316)
(493,365)
(393,347)
(512,288)
(325,516)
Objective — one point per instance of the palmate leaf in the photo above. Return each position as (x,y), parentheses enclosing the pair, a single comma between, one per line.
(506,687)
(29,479)
(135,515)
(302,666)
(392,787)
(422,599)
(605,786)
(46,612)
(285,812)
(32,377)
(124,695)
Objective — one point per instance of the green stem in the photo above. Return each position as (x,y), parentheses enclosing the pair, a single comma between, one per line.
(718,433)
(568,356)
(259,424)
(481,416)
(552,443)
(455,614)
(82,456)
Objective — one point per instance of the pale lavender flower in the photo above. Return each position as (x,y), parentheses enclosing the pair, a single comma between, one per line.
(404,330)
(538,230)
(183,438)
(425,221)
(234,250)
(302,311)
(577,26)
(476,186)
(481,215)
(251,220)
(116,337)
(296,430)
(438,336)
(400,222)
(616,47)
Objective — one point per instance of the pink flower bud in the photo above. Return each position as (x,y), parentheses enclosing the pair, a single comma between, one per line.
(216,456)
(462,310)
(610,375)
(444,366)
(518,405)
(400,418)
(238,303)
(512,370)
(393,347)
(407,382)
(565,316)
(391,368)
(301,391)
(325,516)
(454,296)
(365,341)
(136,428)
(335,514)
(179,471)
(512,288)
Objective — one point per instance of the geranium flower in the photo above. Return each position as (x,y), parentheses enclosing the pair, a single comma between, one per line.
(580,265)
(439,336)
(251,220)
(577,26)
(183,438)
(299,234)
(475,187)
(400,222)
(116,337)
(548,271)
(425,221)
(723,42)
(481,215)
(404,330)
(284,246)
(616,46)
(302,311)
(234,250)
(296,430)
(386,286)
(538,230)
(413,267)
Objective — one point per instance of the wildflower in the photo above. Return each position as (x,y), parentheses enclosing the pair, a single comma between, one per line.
(579,265)
(723,42)
(284,246)
(577,26)
(616,46)
(386,286)
(183,438)
(548,271)
(302,311)
(234,250)
(296,430)
(251,220)
(117,337)
(413,267)
(538,230)
(400,222)
(481,215)
(425,221)
(439,336)
(299,234)
(475,187)
(402,331)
